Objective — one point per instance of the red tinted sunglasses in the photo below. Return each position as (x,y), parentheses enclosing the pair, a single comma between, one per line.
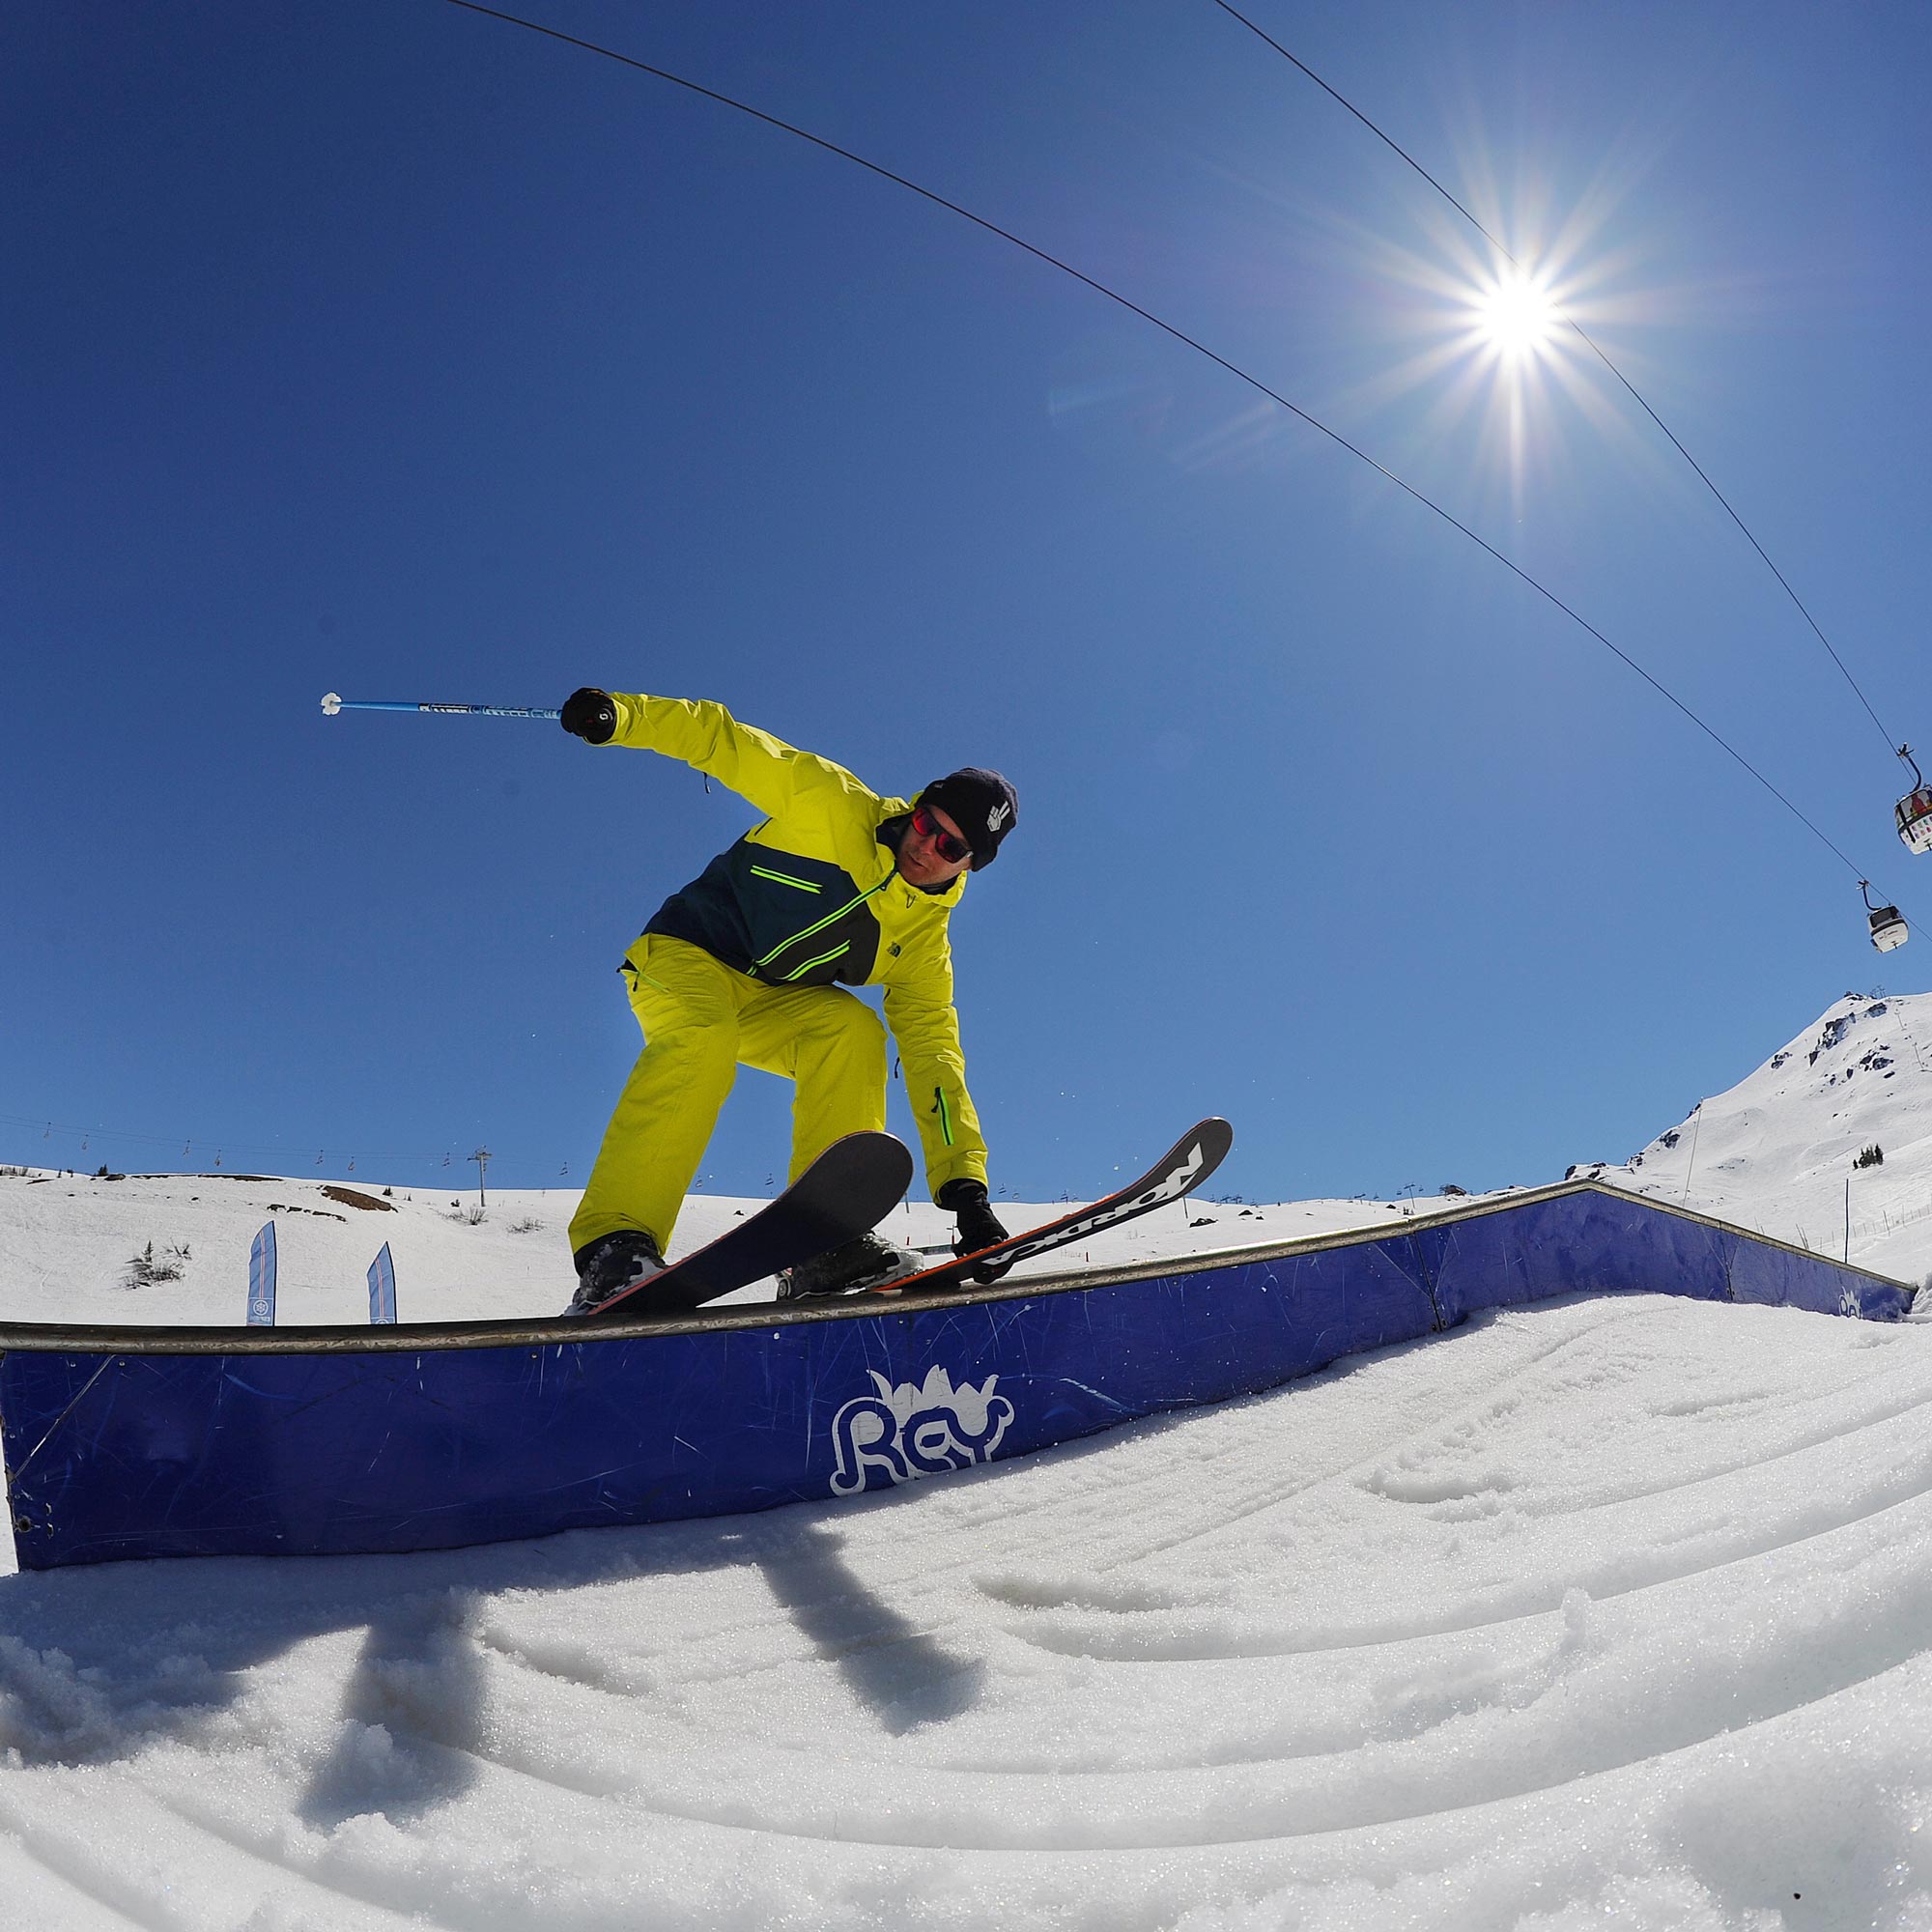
(948,848)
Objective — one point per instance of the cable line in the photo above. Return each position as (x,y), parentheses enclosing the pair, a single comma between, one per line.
(1890,744)
(1179,336)
(282,1150)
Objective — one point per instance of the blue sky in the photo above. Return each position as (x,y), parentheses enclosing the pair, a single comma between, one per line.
(386,349)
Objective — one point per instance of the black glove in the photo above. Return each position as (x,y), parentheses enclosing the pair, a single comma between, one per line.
(978,1226)
(590,715)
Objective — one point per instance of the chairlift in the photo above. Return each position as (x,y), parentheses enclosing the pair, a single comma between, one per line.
(1915,809)
(1888,930)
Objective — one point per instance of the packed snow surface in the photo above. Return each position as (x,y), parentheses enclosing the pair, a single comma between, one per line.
(1610,1611)
(1598,1612)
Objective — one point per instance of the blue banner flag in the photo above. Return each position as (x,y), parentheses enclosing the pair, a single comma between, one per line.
(262,1279)
(382,1288)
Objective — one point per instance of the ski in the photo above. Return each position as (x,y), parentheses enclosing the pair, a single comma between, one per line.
(849,1189)
(1178,1171)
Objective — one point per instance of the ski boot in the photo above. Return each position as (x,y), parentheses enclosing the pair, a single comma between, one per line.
(869,1260)
(612,1264)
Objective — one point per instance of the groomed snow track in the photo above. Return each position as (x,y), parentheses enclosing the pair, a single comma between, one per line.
(132,1443)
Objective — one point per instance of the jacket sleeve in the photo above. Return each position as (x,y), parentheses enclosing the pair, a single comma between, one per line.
(926,1029)
(764,771)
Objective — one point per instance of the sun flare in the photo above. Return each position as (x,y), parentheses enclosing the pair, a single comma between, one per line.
(1517,316)
(1484,339)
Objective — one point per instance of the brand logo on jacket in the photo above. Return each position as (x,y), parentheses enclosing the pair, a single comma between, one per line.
(915,1429)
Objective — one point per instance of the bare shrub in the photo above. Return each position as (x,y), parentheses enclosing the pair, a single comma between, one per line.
(146,1268)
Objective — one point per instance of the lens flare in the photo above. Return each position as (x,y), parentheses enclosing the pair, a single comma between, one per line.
(1516,317)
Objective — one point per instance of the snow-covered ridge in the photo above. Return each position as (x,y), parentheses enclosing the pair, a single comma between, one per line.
(1781,1151)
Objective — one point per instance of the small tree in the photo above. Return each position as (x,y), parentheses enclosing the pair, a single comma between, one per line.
(1871,1156)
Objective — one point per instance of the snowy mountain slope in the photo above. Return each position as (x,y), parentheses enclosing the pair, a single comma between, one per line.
(1776,1150)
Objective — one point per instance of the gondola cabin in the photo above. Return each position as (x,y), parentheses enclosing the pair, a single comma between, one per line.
(1915,819)
(1888,930)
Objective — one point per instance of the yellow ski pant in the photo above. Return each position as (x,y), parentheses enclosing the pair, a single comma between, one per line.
(701,1021)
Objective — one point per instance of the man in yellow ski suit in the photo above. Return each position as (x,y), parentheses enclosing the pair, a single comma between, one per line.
(837,886)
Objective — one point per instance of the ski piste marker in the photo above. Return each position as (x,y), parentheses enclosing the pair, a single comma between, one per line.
(850,1189)
(1178,1172)
(262,1279)
(382,1288)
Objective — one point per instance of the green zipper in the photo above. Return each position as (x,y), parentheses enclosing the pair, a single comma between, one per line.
(786,879)
(836,953)
(830,919)
(945,1113)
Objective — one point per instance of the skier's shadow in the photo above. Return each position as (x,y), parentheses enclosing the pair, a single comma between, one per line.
(97,1662)
(409,1732)
(902,1675)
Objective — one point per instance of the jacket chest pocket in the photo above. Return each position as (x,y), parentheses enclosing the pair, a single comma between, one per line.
(829,949)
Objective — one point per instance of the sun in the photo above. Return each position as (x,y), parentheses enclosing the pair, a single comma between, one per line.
(1517,317)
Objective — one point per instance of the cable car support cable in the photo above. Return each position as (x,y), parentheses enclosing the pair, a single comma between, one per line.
(1187,341)
(1591,344)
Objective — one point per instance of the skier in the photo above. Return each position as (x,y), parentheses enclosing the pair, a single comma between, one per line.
(743,966)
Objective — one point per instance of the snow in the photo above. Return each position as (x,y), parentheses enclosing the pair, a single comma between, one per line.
(1776,1152)
(66,1242)
(1595,1612)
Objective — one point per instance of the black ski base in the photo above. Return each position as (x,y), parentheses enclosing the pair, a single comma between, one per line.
(851,1187)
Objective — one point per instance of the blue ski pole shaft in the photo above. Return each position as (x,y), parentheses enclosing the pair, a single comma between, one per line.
(332,704)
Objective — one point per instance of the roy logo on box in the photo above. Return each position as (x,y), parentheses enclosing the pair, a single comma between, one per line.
(916,1429)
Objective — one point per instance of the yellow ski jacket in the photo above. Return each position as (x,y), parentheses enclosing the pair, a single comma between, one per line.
(813,896)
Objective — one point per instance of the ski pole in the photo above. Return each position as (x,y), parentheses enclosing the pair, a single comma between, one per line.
(333,702)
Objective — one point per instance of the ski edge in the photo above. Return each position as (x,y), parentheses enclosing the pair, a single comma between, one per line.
(1208,1141)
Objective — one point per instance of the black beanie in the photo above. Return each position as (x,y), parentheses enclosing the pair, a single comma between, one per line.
(983,805)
